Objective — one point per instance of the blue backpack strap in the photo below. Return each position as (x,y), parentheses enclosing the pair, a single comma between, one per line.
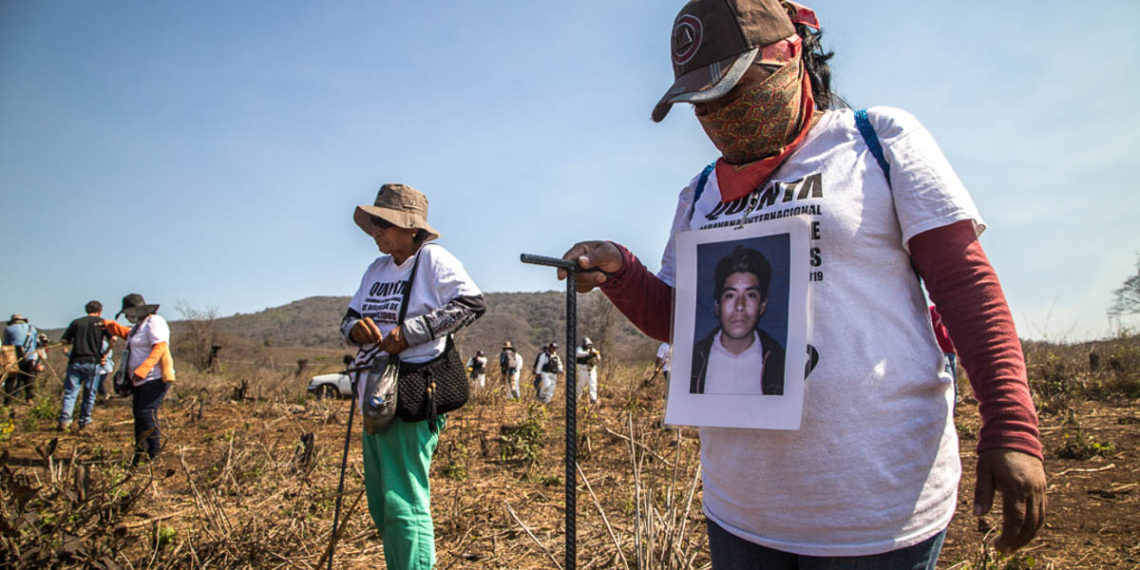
(701,182)
(872,140)
(876,148)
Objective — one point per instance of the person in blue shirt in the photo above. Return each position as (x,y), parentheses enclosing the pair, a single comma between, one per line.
(106,368)
(22,335)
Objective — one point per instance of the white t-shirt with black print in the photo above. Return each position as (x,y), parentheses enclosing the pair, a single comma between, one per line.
(439,279)
(874,466)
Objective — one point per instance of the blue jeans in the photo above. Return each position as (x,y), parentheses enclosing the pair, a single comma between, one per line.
(148,397)
(730,552)
(80,375)
(952,365)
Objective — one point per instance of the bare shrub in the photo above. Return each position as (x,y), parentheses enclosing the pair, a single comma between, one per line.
(196,334)
(1060,373)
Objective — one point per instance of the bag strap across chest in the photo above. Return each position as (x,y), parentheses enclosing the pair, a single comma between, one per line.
(407,298)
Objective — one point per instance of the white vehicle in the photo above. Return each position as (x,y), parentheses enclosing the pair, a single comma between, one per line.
(332,385)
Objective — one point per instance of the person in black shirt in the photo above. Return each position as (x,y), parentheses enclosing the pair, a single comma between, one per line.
(84,339)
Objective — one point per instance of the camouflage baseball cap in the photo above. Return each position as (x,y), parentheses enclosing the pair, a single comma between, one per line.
(713,43)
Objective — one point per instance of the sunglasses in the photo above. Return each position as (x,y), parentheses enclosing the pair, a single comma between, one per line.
(381,223)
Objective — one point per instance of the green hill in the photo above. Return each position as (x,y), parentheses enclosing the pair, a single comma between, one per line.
(528,320)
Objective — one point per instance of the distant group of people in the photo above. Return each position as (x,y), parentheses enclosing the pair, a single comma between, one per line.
(146,371)
(547,369)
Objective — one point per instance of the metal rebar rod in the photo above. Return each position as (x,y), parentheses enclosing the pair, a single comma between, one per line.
(571,416)
(571,268)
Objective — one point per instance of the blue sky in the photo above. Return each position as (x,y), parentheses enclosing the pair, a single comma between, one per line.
(210,153)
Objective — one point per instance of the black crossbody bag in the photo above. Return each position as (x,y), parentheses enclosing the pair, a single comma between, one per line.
(430,389)
(121,378)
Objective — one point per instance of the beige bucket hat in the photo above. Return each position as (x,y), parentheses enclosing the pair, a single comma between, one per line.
(397,204)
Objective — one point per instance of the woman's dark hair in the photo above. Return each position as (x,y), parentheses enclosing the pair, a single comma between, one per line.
(421,236)
(815,63)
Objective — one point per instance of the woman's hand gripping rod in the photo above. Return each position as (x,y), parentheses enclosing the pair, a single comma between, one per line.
(572,269)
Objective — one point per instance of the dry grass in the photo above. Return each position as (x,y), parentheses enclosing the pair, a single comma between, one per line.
(248,475)
(251,482)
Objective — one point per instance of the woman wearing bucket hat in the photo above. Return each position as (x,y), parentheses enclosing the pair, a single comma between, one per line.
(22,363)
(147,367)
(441,298)
(870,477)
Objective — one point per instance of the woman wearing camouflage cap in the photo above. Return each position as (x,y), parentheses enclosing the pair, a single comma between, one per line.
(870,478)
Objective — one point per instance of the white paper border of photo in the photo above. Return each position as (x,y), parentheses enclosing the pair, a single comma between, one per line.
(781,412)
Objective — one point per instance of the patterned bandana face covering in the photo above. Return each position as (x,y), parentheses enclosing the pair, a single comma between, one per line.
(760,121)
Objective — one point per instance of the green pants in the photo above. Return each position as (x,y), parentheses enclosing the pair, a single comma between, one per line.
(396,465)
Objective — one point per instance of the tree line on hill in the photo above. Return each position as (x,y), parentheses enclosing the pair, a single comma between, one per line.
(528,320)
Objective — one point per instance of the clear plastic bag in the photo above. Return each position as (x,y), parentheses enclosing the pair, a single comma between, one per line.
(380,392)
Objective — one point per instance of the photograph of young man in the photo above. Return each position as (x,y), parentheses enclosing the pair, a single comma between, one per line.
(737,357)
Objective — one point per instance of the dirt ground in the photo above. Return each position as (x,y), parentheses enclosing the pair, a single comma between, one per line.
(1093,516)
(235,487)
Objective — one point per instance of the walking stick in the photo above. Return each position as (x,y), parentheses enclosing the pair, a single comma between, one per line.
(343,464)
(572,269)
